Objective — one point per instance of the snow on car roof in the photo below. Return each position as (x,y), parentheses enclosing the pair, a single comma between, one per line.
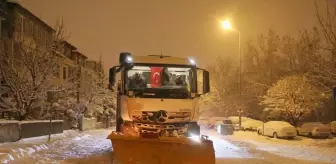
(279,122)
(314,123)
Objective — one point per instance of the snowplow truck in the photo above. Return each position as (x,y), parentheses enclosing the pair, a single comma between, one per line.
(157,111)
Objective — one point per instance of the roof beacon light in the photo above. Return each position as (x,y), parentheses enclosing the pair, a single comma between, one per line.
(129,59)
(192,61)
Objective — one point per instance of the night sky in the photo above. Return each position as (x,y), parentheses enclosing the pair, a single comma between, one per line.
(178,27)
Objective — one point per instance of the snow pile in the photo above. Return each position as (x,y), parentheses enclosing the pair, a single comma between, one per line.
(8,121)
(14,1)
(299,148)
(10,154)
(69,147)
(26,147)
(38,121)
(331,143)
(235,119)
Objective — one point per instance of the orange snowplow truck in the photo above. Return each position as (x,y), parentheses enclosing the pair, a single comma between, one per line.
(157,111)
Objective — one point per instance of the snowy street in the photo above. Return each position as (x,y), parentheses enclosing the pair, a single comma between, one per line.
(92,146)
(69,147)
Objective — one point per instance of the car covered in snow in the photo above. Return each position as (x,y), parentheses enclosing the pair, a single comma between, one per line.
(277,129)
(251,125)
(314,129)
(332,126)
(235,121)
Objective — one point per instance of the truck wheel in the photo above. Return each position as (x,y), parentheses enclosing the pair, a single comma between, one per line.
(193,129)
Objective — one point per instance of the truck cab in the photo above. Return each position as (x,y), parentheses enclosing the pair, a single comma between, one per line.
(159,92)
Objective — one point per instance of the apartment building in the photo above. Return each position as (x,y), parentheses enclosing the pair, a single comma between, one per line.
(22,23)
(3,15)
(17,24)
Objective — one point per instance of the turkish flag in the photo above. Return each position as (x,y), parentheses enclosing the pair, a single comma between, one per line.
(156,76)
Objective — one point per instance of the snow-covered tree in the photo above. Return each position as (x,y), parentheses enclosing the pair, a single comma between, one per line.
(95,92)
(30,69)
(294,97)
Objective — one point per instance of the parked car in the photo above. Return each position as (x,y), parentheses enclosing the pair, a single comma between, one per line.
(235,121)
(215,121)
(314,129)
(251,125)
(225,127)
(332,126)
(277,129)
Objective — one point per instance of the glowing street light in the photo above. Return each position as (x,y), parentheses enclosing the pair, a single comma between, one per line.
(226,25)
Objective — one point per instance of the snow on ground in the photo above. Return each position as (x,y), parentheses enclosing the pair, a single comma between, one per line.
(93,147)
(69,147)
(301,148)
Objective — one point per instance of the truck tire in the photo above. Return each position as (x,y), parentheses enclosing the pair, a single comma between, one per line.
(193,129)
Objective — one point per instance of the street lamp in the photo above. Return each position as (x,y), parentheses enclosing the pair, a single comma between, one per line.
(226,25)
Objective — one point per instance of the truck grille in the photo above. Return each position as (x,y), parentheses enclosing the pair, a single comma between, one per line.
(161,116)
(180,128)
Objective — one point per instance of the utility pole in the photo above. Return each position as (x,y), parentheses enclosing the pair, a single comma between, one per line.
(79,70)
(240,80)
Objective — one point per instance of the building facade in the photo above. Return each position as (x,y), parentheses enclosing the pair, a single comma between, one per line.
(3,15)
(19,24)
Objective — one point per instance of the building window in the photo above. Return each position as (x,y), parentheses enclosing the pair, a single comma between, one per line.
(20,26)
(44,38)
(31,28)
(64,73)
(70,73)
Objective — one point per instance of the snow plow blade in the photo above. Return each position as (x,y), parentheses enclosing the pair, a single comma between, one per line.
(164,150)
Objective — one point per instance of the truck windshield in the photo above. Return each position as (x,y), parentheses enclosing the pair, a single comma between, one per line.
(160,82)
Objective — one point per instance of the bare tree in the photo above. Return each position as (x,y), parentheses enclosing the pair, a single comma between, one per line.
(31,69)
(224,85)
(325,72)
(261,61)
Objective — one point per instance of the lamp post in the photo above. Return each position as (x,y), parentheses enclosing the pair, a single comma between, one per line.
(226,25)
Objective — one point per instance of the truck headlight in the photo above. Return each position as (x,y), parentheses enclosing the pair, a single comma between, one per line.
(195,138)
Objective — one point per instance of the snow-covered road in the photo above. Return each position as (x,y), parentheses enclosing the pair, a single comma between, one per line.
(69,147)
(93,147)
(249,147)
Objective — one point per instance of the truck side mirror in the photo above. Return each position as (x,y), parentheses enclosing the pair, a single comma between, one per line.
(203,82)
(112,75)
(206,82)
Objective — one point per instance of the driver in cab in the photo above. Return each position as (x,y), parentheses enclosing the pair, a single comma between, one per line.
(168,80)
(137,81)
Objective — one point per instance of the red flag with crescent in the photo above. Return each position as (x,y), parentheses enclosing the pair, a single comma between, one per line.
(156,76)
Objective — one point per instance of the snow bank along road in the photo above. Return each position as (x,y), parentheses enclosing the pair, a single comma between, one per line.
(93,147)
